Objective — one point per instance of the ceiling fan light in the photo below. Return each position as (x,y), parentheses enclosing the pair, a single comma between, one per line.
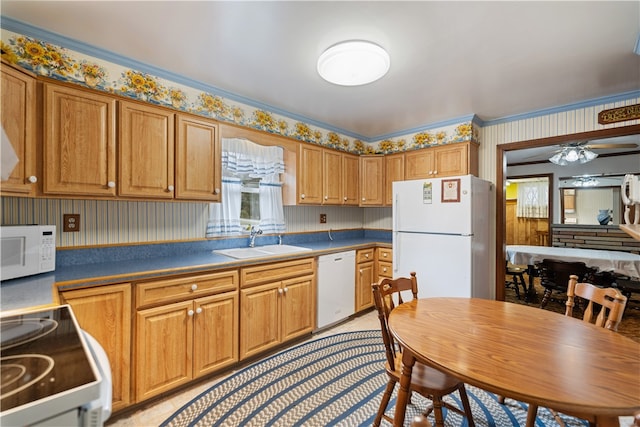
(353,63)
(559,159)
(587,156)
(571,154)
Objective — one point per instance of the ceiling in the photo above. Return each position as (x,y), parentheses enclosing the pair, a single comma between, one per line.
(449,60)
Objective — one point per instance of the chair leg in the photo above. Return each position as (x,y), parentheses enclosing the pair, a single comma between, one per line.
(465,405)
(385,401)
(545,298)
(532,413)
(437,411)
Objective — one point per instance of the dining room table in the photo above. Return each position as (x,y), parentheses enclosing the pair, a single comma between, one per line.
(535,356)
(622,263)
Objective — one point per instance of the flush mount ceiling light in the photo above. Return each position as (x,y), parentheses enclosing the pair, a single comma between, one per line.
(571,155)
(353,63)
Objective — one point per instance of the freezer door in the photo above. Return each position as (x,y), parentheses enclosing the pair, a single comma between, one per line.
(443,263)
(422,206)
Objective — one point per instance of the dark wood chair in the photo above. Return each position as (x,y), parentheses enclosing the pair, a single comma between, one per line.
(554,276)
(427,381)
(517,278)
(604,308)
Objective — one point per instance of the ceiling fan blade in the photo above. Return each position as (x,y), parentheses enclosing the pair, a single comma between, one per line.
(593,146)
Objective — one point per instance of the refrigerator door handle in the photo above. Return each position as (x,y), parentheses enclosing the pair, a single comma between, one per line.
(395,254)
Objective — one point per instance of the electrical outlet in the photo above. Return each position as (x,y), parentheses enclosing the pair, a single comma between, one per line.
(71,222)
(323,218)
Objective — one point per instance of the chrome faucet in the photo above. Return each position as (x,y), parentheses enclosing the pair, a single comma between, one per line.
(253,233)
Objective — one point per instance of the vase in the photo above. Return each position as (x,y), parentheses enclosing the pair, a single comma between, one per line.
(91,81)
(603,216)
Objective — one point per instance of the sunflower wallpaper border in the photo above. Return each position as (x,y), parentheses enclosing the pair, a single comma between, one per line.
(57,62)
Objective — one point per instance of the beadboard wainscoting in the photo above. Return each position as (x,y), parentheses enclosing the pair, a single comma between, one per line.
(109,222)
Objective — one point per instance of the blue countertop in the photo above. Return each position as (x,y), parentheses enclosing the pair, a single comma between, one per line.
(141,264)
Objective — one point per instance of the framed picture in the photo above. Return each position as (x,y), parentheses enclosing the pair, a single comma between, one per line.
(451,190)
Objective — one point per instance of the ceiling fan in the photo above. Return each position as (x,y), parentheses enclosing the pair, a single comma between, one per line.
(582,151)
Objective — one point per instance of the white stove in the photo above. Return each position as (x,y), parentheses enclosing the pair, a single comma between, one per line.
(48,371)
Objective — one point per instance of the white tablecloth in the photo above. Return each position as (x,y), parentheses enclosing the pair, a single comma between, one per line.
(619,262)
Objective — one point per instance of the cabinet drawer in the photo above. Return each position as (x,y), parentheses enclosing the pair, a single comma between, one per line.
(163,291)
(256,275)
(385,254)
(385,269)
(364,255)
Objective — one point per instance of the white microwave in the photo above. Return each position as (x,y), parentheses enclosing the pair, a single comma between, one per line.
(26,250)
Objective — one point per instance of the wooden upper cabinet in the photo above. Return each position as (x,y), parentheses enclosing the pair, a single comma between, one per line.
(198,160)
(419,164)
(79,154)
(146,152)
(441,161)
(332,177)
(371,180)
(393,171)
(309,174)
(18,107)
(350,179)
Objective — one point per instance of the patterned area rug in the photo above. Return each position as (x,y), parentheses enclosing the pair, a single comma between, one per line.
(333,381)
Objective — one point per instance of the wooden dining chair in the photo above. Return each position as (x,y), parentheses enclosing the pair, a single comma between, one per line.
(427,381)
(604,307)
(517,278)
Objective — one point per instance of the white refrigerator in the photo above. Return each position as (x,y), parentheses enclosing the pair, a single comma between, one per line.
(441,230)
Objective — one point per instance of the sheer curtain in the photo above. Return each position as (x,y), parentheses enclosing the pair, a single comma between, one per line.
(243,159)
(533,199)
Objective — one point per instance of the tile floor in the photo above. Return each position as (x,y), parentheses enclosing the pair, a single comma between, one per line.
(158,411)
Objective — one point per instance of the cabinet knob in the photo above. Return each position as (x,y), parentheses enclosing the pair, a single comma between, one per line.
(384,269)
(360,271)
(326,197)
(302,196)
(190,313)
(170,188)
(194,287)
(280,291)
(32,179)
(216,191)
(198,310)
(111,184)
(363,199)
(344,198)
(384,255)
(286,290)
(366,255)
(435,172)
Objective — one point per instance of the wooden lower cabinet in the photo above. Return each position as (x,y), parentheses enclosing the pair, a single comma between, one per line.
(277,303)
(105,313)
(365,277)
(384,258)
(179,341)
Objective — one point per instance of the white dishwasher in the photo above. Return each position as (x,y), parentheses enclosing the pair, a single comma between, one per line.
(336,287)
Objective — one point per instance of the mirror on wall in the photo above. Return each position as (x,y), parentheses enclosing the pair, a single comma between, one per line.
(591,199)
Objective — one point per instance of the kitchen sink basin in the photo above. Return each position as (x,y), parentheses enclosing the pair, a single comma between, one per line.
(260,251)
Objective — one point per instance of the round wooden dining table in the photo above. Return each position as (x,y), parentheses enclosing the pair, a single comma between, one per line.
(525,353)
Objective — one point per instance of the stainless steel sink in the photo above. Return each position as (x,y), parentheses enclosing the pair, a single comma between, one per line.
(260,251)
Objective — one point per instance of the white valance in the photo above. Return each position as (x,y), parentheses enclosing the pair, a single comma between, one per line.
(243,157)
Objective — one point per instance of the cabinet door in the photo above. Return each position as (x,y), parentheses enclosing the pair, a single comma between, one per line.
(350,180)
(18,106)
(215,333)
(451,160)
(298,307)
(364,280)
(105,313)
(259,319)
(146,158)
(309,174)
(164,347)
(79,142)
(331,177)
(393,171)
(419,164)
(198,161)
(371,180)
